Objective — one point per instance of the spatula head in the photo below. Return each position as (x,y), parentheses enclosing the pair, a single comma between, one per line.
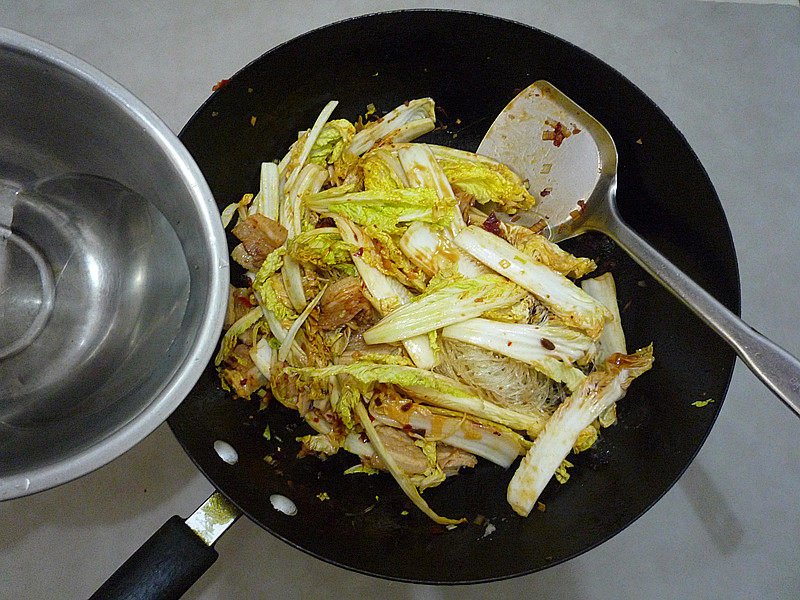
(566,156)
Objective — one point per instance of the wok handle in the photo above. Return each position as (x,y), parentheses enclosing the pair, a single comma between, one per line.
(163,568)
(773,365)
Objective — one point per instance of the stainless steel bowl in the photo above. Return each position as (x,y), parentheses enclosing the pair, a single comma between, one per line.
(113,268)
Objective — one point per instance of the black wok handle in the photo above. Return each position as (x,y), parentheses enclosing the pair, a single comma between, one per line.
(163,568)
(174,557)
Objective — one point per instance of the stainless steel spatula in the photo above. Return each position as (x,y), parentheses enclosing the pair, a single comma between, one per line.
(570,162)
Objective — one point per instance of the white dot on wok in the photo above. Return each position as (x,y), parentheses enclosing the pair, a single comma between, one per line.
(283,504)
(226,452)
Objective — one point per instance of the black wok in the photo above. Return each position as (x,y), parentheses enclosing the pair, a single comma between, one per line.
(472,65)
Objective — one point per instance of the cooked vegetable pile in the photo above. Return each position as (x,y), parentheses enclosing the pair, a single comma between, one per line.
(406,324)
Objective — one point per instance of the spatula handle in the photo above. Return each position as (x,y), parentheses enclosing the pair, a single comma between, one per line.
(773,365)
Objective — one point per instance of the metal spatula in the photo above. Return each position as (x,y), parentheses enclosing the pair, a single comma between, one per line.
(570,161)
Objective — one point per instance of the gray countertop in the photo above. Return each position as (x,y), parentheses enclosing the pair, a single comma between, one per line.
(727,74)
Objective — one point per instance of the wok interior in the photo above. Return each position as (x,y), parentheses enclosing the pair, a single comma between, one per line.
(103,212)
(472,66)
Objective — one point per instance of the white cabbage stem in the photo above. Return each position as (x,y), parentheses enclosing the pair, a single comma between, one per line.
(266,201)
(612,338)
(574,306)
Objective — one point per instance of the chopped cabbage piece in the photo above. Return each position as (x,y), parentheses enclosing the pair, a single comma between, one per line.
(385,255)
(433,250)
(612,338)
(323,248)
(286,344)
(308,141)
(453,301)
(386,209)
(574,306)
(552,256)
(267,201)
(383,171)
(598,391)
(484,178)
(403,124)
(263,356)
(238,328)
(262,285)
(333,138)
(488,440)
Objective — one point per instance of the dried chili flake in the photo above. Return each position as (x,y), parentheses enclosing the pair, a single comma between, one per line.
(219,84)
(558,134)
(492,225)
